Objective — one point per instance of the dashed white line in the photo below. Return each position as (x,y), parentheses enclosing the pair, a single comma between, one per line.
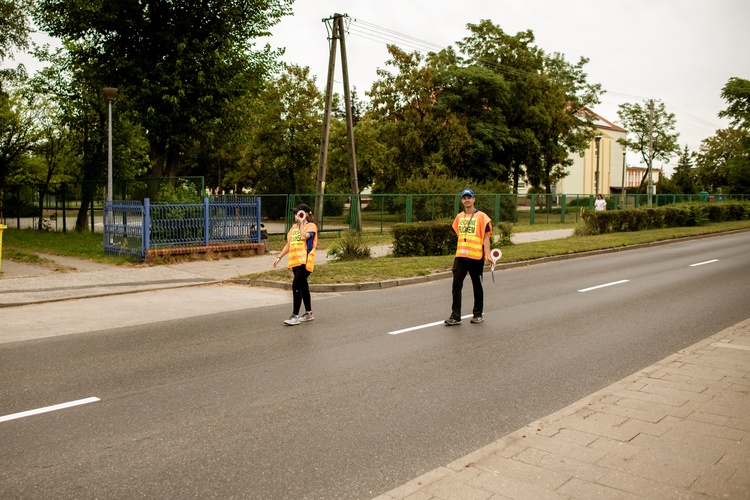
(706,262)
(46,409)
(602,286)
(419,327)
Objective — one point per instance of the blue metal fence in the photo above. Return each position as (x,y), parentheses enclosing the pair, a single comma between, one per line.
(123,228)
(133,228)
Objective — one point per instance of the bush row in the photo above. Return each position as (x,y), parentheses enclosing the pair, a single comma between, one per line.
(662,217)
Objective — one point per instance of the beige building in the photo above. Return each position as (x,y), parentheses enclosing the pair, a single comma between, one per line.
(633,176)
(582,177)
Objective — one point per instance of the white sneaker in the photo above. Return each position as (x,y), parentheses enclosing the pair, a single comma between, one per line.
(308,316)
(293,320)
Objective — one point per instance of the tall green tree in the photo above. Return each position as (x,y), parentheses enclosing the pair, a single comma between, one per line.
(651,132)
(15,27)
(73,115)
(520,63)
(420,133)
(737,94)
(715,158)
(724,159)
(684,175)
(180,65)
(542,112)
(282,147)
(477,97)
(18,134)
(568,127)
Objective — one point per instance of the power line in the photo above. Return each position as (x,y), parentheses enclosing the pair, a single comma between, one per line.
(390,34)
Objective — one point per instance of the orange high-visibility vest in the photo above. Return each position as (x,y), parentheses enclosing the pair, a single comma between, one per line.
(470,230)
(298,254)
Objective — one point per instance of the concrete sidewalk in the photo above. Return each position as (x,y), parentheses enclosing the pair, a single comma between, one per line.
(678,429)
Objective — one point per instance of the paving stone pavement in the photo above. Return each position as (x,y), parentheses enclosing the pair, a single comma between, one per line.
(677,429)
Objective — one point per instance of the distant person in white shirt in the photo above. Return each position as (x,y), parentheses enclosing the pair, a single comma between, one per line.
(600,205)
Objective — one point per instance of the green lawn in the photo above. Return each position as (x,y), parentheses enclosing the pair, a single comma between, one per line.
(26,245)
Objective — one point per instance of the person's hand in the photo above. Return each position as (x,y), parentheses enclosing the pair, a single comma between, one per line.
(276,261)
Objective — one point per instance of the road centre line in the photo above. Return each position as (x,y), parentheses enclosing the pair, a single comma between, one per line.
(426,325)
(705,262)
(47,409)
(602,286)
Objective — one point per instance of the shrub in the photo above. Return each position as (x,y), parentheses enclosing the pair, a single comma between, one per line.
(423,239)
(349,247)
(504,232)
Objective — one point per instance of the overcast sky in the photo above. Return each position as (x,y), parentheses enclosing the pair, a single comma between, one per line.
(679,52)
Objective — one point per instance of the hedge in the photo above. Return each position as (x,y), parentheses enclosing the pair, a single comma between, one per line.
(662,217)
(424,239)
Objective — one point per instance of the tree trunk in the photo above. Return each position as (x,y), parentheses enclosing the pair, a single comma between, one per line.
(87,196)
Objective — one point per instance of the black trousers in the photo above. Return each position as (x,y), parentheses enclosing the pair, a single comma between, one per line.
(475,269)
(300,289)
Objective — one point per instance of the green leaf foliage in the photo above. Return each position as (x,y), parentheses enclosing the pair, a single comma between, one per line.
(180,66)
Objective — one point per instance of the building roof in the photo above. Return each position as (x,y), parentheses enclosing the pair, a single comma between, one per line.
(600,122)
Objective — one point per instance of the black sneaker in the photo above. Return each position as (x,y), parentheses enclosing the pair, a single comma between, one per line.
(477,319)
(452,321)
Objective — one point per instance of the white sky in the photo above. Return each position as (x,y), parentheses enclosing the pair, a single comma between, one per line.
(681,52)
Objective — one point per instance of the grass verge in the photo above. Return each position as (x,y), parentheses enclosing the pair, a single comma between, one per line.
(387,268)
(24,246)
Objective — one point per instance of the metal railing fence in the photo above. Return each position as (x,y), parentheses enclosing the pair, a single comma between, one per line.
(133,228)
(55,208)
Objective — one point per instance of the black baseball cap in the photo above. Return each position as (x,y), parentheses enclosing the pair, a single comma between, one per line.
(301,206)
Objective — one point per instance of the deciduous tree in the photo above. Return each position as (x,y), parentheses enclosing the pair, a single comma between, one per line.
(14,30)
(179,65)
(737,94)
(651,132)
(282,146)
(546,93)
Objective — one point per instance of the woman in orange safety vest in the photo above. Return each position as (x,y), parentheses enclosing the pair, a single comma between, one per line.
(301,241)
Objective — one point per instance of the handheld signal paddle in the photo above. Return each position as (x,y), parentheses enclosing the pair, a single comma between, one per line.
(495,255)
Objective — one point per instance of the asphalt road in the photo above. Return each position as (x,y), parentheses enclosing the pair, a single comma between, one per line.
(236,405)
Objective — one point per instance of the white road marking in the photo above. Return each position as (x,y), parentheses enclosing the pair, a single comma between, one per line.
(46,409)
(426,325)
(602,286)
(706,262)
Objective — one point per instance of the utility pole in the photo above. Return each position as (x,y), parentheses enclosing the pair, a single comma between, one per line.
(353,183)
(650,186)
(598,139)
(320,185)
(624,169)
(337,33)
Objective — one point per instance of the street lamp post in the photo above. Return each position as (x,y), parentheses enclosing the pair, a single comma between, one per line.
(109,93)
(598,138)
(624,168)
